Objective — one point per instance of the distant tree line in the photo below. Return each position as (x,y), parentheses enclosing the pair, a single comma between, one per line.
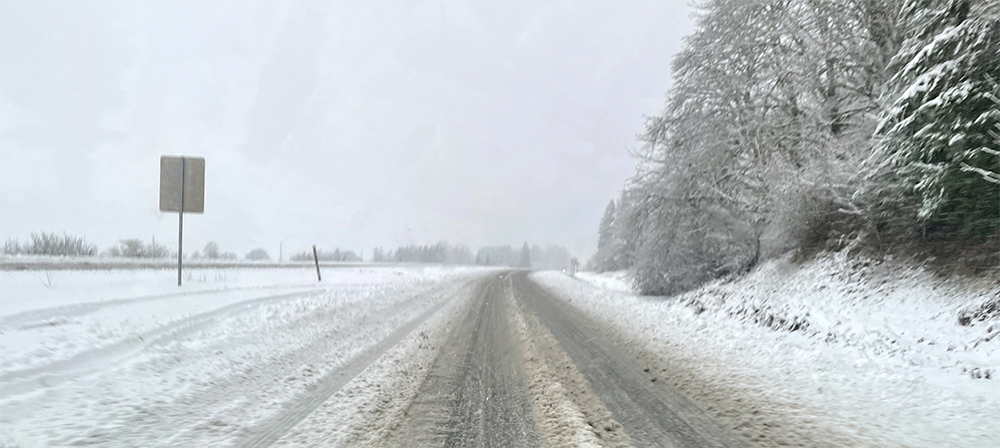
(328,255)
(442,252)
(538,257)
(497,256)
(549,257)
(64,245)
(809,125)
(504,256)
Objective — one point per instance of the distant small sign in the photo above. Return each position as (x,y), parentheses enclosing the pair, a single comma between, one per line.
(193,188)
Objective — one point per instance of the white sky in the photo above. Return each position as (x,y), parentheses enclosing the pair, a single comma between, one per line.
(338,123)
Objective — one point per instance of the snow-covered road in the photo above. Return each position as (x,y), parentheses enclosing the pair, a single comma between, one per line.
(372,357)
(815,355)
(103,358)
(522,368)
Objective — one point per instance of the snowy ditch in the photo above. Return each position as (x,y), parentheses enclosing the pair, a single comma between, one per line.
(829,353)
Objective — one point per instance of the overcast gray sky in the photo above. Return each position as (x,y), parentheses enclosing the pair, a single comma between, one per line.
(338,123)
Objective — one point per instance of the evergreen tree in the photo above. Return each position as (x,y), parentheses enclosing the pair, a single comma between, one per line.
(606,258)
(525,256)
(936,132)
(605,232)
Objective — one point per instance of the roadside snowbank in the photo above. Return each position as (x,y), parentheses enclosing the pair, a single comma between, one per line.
(829,353)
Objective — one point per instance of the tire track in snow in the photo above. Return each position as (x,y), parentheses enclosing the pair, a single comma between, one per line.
(372,405)
(567,410)
(18,382)
(27,320)
(653,414)
(272,429)
(476,392)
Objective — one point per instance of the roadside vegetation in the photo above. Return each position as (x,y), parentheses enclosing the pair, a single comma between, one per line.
(50,243)
(64,245)
(817,125)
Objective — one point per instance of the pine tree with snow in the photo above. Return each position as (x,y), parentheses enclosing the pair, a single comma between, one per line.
(525,256)
(605,232)
(936,132)
(607,250)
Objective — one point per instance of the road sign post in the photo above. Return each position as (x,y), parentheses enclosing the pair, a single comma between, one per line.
(180,229)
(182,189)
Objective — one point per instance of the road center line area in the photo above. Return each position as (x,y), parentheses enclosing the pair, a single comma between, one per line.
(473,358)
(522,368)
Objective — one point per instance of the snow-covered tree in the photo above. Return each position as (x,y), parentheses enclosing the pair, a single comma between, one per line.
(257,254)
(759,145)
(525,261)
(605,259)
(936,130)
(211,251)
(605,231)
(379,255)
(11,247)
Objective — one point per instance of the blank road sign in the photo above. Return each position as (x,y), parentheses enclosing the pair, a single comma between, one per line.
(170,184)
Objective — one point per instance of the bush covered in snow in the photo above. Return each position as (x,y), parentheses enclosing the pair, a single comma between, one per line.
(257,254)
(136,248)
(51,243)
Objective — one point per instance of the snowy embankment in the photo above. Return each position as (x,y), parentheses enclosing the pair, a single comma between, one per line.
(127,358)
(829,353)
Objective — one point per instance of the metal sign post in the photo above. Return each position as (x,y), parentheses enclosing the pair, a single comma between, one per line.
(180,229)
(182,189)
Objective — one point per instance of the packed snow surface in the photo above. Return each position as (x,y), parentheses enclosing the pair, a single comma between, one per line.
(125,357)
(833,352)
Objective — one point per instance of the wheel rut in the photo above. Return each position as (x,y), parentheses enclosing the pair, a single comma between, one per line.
(476,393)
(525,368)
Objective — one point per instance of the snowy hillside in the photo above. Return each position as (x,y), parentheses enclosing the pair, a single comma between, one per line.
(829,353)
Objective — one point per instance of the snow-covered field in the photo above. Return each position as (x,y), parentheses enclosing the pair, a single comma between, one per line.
(126,358)
(51,263)
(829,353)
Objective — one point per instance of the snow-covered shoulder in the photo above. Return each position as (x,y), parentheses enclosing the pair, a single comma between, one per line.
(618,281)
(832,352)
